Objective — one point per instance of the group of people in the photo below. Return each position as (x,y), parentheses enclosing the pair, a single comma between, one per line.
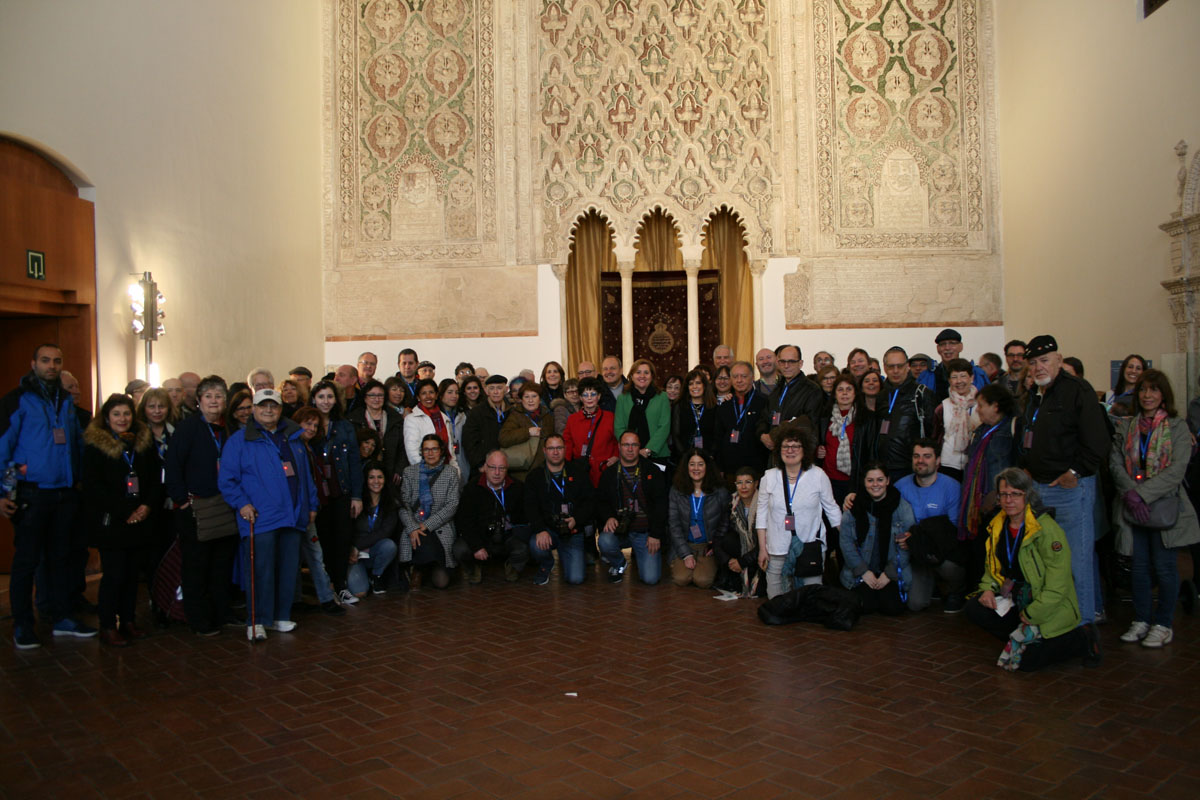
(894,479)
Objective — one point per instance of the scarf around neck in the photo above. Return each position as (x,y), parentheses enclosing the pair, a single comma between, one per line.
(882,511)
(1158,448)
(837,426)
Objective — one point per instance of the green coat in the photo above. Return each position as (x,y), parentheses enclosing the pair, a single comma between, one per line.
(1170,481)
(658,417)
(1045,559)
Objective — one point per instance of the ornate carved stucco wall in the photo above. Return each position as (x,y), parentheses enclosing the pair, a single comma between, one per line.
(467,136)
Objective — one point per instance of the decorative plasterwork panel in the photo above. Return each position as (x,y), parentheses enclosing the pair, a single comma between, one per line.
(901,150)
(414,120)
(646,103)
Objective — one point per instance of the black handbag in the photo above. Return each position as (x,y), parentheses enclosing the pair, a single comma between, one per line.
(809,563)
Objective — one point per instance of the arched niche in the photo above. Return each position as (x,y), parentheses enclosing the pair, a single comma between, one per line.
(657,245)
(591,252)
(725,241)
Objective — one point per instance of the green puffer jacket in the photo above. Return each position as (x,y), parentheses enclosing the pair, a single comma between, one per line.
(1045,559)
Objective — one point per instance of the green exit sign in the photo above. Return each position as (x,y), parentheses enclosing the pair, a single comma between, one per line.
(35,265)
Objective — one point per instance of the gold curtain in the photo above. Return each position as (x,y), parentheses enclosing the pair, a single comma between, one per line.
(591,253)
(657,247)
(725,250)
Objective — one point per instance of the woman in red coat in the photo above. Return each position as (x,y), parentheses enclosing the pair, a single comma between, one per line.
(589,431)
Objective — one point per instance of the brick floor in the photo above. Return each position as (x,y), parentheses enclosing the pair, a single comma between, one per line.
(465,693)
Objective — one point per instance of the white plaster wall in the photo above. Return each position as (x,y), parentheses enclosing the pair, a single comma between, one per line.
(506,355)
(1090,104)
(840,341)
(199,125)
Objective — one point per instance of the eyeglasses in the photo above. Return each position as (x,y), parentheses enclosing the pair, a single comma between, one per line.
(787,361)
(789,447)
(1010,495)
(554,447)
(374,396)
(431,449)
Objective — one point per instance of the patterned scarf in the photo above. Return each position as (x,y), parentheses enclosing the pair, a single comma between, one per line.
(837,426)
(1158,450)
(425,490)
(976,484)
(439,425)
(956,416)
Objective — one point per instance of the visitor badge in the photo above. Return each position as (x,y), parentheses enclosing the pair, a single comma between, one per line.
(886,426)
(633,506)
(584,452)
(696,535)
(789,522)
(1027,440)
(733,437)
(698,442)
(421,514)
(565,509)
(60,436)
(131,484)
(775,418)
(288,469)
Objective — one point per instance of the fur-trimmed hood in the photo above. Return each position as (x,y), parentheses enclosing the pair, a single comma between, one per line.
(102,439)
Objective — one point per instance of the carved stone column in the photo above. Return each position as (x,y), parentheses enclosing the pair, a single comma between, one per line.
(757,268)
(692,268)
(1184,229)
(626,270)
(560,272)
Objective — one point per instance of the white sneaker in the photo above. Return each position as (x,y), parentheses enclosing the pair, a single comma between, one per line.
(1137,631)
(282,625)
(256,633)
(346,598)
(1158,636)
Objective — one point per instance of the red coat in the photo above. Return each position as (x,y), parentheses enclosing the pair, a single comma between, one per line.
(604,443)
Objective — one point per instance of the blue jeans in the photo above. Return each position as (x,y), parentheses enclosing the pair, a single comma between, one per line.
(649,566)
(570,555)
(1148,551)
(45,527)
(381,555)
(276,565)
(310,549)
(1074,513)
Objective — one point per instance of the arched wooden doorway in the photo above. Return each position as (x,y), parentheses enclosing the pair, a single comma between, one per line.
(47,276)
(591,254)
(724,239)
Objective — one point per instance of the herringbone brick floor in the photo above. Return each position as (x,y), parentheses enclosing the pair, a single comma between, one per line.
(512,690)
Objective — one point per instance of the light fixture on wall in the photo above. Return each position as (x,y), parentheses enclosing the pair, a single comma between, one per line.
(146,302)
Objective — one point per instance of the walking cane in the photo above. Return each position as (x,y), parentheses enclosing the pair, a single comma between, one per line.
(253,605)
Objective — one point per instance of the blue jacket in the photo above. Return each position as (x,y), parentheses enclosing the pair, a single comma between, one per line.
(937,381)
(27,423)
(341,449)
(251,472)
(857,557)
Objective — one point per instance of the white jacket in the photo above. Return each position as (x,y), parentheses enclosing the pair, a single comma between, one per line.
(813,494)
(418,425)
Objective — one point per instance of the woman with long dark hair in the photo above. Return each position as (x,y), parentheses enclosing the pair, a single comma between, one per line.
(697,517)
(875,567)
(695,416)
(375,533)
(342,467)
(1120,401)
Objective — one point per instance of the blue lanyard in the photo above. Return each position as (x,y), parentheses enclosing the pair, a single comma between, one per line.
(698,417)
(215,437)
(697,504)
(1013,543)
(989,432)
(740,411)
(1144,445)
(371,519)
(786,386)
(636,474)
(500,416)
(499,496)
(790,494)
(559,483)
(128,456)
(595,424)
(892,402)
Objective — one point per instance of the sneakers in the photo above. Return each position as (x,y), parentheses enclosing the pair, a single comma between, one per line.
(346,598)
(25,639)
(332,608)
(953,604)
(70,627)
(542,577)
(377,584)
(510,573)
(474,572)
(281,625)
(1137,631)
(256,633)
(1092,656)
(1158,636)
(113,638)
(616,574)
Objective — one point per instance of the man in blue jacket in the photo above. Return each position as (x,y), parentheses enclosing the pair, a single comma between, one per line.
(40,438)
(949,347)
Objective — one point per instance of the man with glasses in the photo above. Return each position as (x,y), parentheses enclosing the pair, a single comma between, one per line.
(491,522)
(1063,443)
(367,364)
(586,369)
(1014,356)
(905,411)
(736,445)
(794,399)
(632,501)
(558,504)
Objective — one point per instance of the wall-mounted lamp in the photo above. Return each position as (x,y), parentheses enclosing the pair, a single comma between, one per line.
(146,302)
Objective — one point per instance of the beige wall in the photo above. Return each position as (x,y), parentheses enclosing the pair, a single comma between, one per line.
(1091,102)
(199,125)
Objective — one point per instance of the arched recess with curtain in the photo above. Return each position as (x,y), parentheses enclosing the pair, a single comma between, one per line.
(724,240)
(592,252)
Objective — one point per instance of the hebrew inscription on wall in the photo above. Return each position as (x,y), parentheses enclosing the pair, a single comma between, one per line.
(899,125)
(655,102)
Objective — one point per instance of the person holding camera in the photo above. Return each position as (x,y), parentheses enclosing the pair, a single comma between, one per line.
(633,503)
(558,505)
(491,521)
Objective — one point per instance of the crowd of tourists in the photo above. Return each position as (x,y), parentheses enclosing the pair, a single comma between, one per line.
(1006,489)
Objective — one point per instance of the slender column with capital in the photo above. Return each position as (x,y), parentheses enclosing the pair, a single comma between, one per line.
(692,268)
(560,272)
(757,268)
(626,270)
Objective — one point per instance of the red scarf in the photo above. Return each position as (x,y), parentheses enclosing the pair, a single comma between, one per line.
(439,425)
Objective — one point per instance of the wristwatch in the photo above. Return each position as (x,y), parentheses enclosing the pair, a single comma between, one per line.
(1075,472)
